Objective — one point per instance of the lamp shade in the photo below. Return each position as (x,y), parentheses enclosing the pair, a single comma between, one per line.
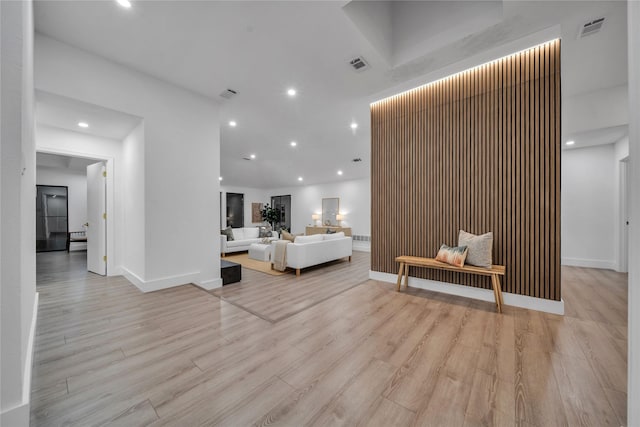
(339,217)
(315,217)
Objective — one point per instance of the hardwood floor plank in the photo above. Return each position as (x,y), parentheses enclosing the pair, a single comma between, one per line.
(356,400)
(491,401)
(581,393)
(385,413)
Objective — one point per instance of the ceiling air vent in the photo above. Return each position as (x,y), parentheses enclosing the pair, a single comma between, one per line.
(228,93)
(359,64)
(591,27)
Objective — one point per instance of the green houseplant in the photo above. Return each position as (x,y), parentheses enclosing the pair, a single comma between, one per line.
(270,215)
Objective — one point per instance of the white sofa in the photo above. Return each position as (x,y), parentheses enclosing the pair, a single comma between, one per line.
(307,251)
(242,239)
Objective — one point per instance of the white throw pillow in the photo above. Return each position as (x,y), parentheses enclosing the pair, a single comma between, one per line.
(308,239)
(251,233)
(238,233)
(333,236)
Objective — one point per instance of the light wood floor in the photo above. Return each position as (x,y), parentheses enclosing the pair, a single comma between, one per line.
(108,354)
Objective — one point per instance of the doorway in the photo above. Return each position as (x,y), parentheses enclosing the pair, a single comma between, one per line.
(79,232)
(235,210)
(52,218)
(283,205)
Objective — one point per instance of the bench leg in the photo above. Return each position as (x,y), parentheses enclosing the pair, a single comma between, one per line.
(496,291)
(400,273)
(406,276)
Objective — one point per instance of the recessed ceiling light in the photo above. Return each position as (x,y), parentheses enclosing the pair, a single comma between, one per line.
(232,123)
(570,142)
(291,92)
(83,124)
(253,156)
(354,125)
(339,172)
(293,143)
(299,178)
(219,178)
(124,3)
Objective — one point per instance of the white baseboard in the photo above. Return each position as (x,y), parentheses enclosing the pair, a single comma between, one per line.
(589,263)
(161,283)
(523,301)
(362,248)
(20,414)
(209,284)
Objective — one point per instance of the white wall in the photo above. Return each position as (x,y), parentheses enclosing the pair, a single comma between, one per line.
(355,203)
(55,140)
(181,159)
(633,392)
(589,211)
(76,181)
(251,195)
(133,199)
(18,300)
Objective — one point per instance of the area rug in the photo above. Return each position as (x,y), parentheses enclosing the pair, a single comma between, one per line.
(252,264)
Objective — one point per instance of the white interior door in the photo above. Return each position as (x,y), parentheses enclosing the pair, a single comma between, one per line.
(97,218)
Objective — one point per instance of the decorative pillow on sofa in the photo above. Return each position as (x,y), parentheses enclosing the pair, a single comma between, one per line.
(287,236)
(227,232)
(308,239)
(479,248)
(452,255)
(265,231)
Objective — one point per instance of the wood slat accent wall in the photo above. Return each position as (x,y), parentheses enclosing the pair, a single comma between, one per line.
(478,151)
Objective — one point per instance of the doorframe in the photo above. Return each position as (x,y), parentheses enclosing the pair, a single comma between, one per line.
(623,216)
(112,269)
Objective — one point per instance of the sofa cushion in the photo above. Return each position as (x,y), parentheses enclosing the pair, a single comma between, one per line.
(238,233)
(251,232)
(227,232)
(237,243)
(332,236)
(308,239)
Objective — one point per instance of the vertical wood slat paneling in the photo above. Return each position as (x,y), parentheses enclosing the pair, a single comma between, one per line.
(478,151)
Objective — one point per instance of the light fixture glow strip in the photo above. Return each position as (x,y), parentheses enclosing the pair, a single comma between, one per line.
(493,61)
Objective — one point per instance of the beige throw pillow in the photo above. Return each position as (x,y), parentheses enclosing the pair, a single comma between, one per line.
(287,236)
(480,248)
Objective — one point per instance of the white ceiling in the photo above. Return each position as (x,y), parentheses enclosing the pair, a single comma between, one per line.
(262,48)
(66,113)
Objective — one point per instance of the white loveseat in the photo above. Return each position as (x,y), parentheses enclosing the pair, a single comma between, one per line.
(307,251)
(242,239)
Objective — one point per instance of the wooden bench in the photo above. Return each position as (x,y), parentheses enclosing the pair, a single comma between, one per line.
(413,261)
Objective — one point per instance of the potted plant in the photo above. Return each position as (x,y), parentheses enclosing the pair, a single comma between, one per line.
(270,215)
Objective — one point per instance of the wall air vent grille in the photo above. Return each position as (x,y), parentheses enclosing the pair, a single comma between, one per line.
(591,27)
(228,93)
(359,64)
